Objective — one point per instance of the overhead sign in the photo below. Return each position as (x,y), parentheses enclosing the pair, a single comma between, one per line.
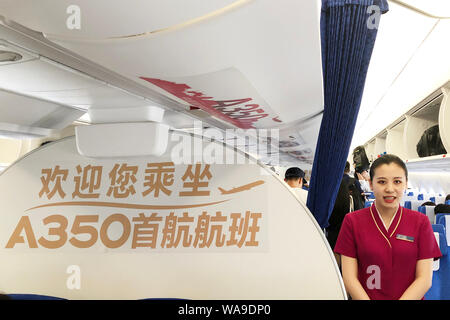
(225,94)
(140,206)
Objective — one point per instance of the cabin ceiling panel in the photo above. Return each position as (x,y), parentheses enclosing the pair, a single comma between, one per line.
(410,61)
(106,18)
(282,62)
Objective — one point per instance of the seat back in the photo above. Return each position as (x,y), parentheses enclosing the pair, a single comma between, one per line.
(407,204)
(440,285)
(444,219)
(428,211)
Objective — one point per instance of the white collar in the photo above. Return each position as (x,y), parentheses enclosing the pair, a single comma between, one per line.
(379,215)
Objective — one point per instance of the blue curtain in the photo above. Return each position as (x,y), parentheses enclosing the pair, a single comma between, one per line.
(348,32)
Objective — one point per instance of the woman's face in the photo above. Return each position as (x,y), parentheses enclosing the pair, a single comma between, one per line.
(388,185)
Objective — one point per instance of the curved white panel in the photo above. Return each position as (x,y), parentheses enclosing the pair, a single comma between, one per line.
(103,18)
(370,151)
(9,150)
(380,146)
(395,143)
(414,128)
(444,119)
(278,252)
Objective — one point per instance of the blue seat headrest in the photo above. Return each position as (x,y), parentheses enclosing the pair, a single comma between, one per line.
(439,228)
(407,204)
(440,218)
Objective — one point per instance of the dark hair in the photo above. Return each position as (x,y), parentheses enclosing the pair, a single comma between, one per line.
(442,208)
(292,178)
(428,203)
(294,173)
(340,209)
(347,167)
(447,197)
(387,159)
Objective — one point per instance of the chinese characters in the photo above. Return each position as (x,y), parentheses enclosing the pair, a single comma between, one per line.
(145,230)
(122,181)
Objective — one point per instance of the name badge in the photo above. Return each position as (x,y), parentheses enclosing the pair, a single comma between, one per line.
(403,237)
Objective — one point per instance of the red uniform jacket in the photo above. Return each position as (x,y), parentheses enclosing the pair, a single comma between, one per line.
(386,258)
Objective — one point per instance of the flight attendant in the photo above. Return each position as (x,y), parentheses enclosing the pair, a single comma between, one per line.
(386,250)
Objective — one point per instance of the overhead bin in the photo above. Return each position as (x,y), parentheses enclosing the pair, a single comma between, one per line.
(370,150)
(444,118)
(159,228)
(414,129)
(431,173)
(395,141)
(380,145)
(404,136)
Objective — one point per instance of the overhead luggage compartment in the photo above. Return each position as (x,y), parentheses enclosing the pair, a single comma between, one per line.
(154,227)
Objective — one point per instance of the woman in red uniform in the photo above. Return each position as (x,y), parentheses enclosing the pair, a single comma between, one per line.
(386,250)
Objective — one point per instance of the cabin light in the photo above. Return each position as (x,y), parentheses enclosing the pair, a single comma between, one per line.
(9,56)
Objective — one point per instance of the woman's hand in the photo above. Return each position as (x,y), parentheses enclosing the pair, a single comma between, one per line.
(422,283)
(351,281)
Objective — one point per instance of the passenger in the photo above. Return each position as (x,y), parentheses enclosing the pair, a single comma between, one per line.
(386,250)
(447,198)
(294,178)
(442,208)
(354,187)
(428,203)
(305,184)
(342,206)
(364,180)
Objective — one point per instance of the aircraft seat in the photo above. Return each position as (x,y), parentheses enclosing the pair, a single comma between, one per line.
(409,198)
(437,199)
(415,204)
(444,219)
(428,211)
(440,289)
(368,204)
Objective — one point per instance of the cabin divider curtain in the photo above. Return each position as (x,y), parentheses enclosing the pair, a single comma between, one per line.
(348,32)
